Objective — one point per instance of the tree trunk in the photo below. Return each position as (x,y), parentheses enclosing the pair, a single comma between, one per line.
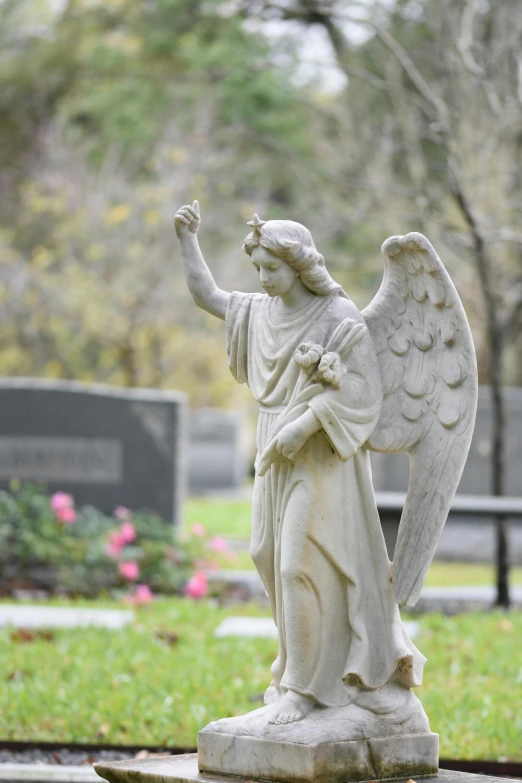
(498,467)
(495,337)
(129,365)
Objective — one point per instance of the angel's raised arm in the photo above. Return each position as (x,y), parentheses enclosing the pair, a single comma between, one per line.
(202,285)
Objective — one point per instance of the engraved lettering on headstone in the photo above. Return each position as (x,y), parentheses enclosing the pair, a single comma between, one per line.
(80,460)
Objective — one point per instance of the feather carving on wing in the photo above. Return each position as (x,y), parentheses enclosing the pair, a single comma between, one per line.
(429,376)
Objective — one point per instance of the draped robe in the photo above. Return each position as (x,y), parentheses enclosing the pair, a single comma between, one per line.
(316,536)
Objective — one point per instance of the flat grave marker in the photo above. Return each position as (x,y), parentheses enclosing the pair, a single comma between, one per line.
(28,616)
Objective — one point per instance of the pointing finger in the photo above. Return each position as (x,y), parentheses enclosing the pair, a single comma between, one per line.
(195,206)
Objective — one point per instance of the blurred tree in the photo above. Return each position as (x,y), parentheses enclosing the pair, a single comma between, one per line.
(116,111)
(118,72)
(166,100)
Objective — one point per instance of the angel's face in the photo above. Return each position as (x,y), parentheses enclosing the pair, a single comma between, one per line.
(275,276)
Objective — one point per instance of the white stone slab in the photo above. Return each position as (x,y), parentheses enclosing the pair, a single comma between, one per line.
(264,627)
(412,628)
(51,773)
(381,756)
(25,616)
(247,627)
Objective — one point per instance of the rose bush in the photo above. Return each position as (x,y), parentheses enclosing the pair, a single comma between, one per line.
(48,544)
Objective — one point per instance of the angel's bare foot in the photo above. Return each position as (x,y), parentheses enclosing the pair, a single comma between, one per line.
(292,708)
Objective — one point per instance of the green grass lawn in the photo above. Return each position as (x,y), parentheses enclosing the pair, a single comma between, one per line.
(466,574)
(220,517)
(231,519)
(136,686)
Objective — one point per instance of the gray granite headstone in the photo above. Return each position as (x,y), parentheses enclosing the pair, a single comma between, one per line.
(216,460)
(105,445)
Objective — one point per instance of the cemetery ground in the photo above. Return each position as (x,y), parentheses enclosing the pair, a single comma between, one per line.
(160,679)
(164,676)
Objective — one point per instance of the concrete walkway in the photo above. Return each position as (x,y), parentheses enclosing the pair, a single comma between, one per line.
(264,627)
(47,773)
(451,599)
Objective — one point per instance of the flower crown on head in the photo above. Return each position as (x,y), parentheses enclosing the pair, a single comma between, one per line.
(257,225)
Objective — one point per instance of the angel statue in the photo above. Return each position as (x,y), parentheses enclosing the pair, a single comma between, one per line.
(332,384)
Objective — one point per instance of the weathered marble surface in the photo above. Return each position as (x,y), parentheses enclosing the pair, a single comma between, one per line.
(386,712)
(323,762)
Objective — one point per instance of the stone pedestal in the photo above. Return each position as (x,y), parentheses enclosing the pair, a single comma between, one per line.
(383,758)
(184,769)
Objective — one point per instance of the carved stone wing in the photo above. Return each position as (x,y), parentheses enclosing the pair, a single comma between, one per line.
(429,376)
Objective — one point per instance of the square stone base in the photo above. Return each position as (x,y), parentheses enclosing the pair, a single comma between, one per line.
(255,758)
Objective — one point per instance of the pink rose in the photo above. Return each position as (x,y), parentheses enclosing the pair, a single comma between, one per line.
(61,500)
(197,586)
(218,544)
(143,592)
(199,530)
(129,570)
(63,506)
(128,532)
(120,512)
(116,544)
(141,596)
(67,515)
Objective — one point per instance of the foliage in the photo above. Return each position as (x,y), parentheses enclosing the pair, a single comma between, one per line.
(80,556)
(175,99)
(120,112)
(164,677)
(466,574)
(87,284)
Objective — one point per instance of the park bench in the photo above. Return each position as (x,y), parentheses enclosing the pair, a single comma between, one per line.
(476,509)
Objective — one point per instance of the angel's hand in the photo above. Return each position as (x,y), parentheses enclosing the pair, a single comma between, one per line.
(285,444)
(289,441)
(187,219)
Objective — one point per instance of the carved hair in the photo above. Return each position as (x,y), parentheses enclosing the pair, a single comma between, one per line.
(293,243)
